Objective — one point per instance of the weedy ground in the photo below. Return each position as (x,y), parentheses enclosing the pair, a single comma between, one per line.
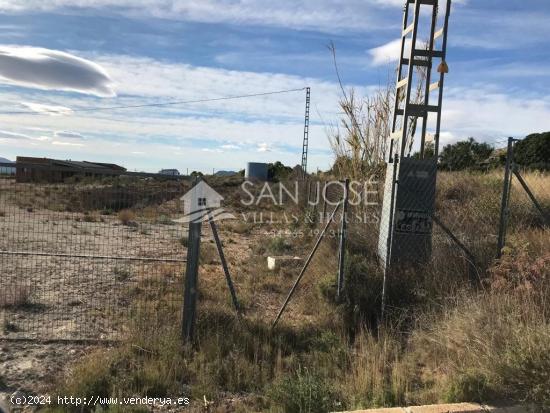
(445,336)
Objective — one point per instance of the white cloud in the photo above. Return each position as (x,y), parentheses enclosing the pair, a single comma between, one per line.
(53,70)
(151,78)
(53,110)
(264,147)
(13,135)
(67,134)
(489,114)
(62,143)
(322,15)
(390,52)
(230,147)
(259,127)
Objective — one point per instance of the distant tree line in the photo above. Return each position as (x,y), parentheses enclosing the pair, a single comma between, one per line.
(533,152)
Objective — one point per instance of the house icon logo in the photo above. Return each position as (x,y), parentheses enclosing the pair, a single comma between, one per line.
(201,203)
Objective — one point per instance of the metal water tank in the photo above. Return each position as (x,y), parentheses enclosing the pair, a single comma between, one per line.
(256,170)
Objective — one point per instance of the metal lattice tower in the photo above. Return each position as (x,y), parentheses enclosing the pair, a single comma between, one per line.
(306,133)
(405,236)
(415,65)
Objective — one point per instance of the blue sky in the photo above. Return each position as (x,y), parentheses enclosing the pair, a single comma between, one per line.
(74,54)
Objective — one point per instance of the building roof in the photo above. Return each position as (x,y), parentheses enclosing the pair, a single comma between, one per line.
(99,166)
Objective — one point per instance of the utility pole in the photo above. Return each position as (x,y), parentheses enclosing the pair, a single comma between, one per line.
(305,143)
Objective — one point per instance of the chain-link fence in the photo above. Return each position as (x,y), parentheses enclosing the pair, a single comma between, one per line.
(525,206)
(84,260)
(446,219)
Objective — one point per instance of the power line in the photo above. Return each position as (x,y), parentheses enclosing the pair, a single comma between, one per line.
(146,105)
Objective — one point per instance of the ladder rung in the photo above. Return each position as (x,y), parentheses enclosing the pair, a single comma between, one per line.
(430,2)
(416,62)
(418,110)
(439,33)
(408,29)
(421,110)
(402,82)
(434,86)
(428,53)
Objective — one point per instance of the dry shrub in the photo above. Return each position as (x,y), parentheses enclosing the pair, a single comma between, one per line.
(15,296)
(518,271)
(126,216)
(238,227)
(90,217)
(208,253)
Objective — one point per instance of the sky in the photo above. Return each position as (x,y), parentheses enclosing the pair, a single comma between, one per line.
(60,58)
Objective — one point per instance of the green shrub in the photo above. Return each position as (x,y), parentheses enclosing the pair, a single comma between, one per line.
(534,151)
(470,386)
(463,155)
(302,392)
(164,220)
(278,245)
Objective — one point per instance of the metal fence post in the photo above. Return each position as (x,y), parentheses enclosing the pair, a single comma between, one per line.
(387,263)
(306,264)
(324,201)
(221,254)
(342,248)
(504,205)
(191,276)
(531,195)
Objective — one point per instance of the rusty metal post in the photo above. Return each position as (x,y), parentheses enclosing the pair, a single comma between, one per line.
(342,245)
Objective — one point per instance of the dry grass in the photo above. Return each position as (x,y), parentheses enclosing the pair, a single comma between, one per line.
(493,346)
(126,216)
(443,340)
(237,227)
(14,296)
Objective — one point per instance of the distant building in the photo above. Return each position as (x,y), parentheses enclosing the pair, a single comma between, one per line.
(170,172)
(5,168)
(30,169)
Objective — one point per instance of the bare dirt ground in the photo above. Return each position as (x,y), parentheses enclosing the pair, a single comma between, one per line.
(73,275)
(69,276)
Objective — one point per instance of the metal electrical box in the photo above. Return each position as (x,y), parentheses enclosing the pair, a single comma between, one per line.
(407,212)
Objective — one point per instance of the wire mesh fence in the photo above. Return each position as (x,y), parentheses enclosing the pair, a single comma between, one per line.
(91,257)
(524,213)
(457,224)
(84,260)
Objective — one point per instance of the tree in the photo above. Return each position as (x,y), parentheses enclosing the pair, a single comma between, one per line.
(278,172)
(429,151)
(464,154)
(534,151)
